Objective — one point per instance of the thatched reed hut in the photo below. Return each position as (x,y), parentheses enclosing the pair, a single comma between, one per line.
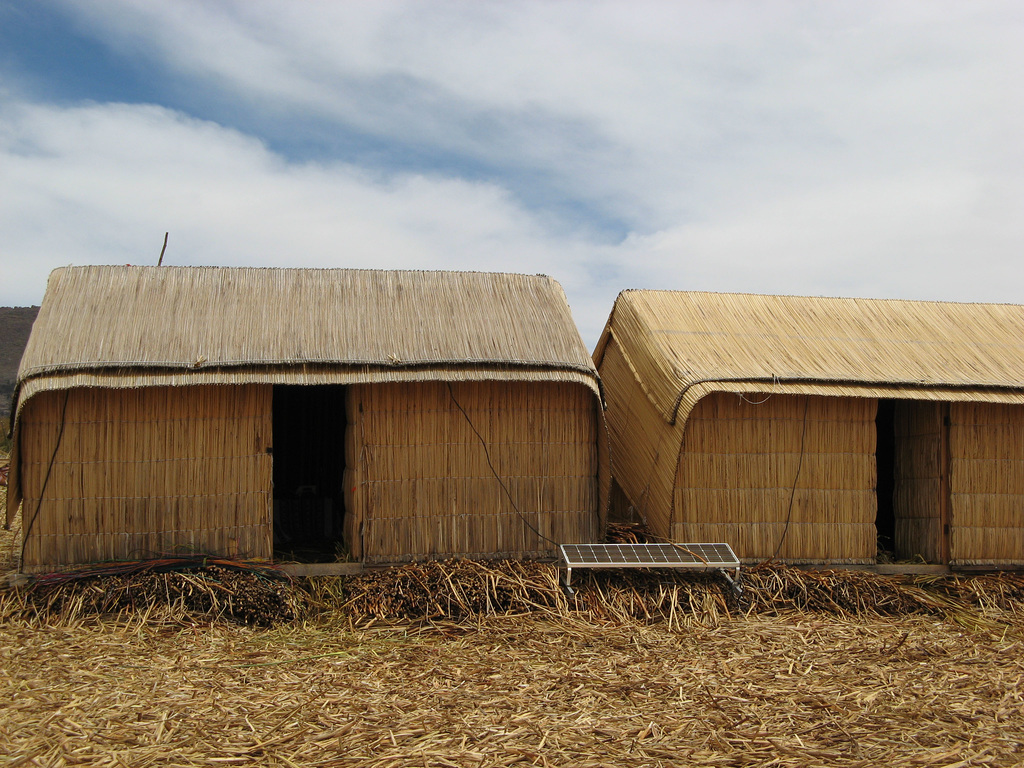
(814,429)
(396,415)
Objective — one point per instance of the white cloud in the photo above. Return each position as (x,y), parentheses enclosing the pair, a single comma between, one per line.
(102,183)
(652,114)
(850,149)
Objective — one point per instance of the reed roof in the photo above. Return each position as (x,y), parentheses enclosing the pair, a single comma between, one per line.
(134,326)
(684,344)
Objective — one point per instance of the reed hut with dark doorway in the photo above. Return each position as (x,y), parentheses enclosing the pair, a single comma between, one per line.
(819,430)
(380,415)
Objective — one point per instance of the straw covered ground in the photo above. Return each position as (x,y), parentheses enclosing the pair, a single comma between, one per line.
(408,667)
(466,664)
(524,690)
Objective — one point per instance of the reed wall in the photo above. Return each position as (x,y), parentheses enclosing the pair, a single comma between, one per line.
(138,472)
(419,483)
(353,487)
(644,448)
(919,480)
(986,443)
(741,459)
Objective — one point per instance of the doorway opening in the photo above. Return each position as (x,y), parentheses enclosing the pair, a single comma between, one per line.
(309,466)
(885,483)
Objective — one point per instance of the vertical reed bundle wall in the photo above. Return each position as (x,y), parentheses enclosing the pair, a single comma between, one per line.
(353,485)
(138,472)
(419,484)
(986,445)
(644,448)
(741,459)
(918,474)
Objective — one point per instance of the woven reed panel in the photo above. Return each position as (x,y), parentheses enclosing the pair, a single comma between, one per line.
(644,448)
(742,457)
(419,484)
(136,473)
(986,484)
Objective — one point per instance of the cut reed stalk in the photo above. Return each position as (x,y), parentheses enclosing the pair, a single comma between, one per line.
(465,591)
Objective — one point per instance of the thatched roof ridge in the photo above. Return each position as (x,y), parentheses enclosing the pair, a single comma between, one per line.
(682,344)
(164,319)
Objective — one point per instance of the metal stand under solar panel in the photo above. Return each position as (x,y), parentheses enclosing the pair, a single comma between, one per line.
(691,557)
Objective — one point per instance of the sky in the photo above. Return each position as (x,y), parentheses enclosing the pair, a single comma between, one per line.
(869,148)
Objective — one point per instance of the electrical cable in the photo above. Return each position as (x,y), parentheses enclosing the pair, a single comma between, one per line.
(767,397)
(487,455)
(46,478)
(792,494)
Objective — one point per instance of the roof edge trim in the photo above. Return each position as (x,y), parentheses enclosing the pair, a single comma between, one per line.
(203,365)
(854,388)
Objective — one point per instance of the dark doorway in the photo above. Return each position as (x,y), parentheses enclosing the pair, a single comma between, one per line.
(885,461)
(309,464)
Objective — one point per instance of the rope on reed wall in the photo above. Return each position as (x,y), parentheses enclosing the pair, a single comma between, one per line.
(766,398)
(796,478)
(641,505)
(487,455)
(46,478)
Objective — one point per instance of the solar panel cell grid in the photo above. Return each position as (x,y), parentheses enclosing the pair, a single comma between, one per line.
(694,556)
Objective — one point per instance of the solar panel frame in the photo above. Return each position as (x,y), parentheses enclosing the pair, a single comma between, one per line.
(690,556)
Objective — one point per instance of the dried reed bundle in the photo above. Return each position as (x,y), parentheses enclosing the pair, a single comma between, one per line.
(629,533)
(182,588)
(453,589)
(997,595)
(459,590)
(985,602)
(644,448)
(844,593)
(466,590)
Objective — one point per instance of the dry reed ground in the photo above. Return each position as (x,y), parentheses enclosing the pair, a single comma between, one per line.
(512,690)
(821,686)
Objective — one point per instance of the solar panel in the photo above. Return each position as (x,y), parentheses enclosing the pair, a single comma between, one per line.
(693,557)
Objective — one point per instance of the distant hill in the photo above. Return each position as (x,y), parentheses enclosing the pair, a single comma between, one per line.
(15,326)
